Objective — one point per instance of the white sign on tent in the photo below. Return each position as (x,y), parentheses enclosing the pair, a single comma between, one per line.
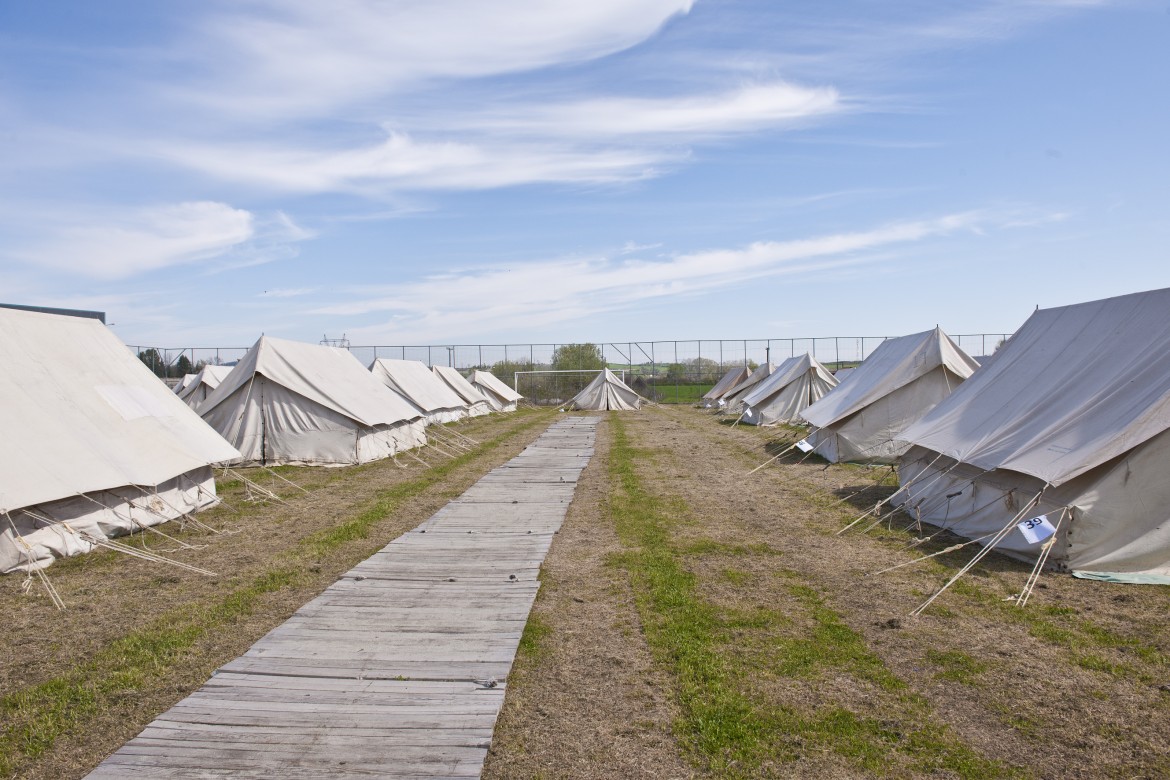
(1037,529)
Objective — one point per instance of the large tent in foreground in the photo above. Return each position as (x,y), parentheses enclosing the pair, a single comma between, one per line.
(726,384)
(477,403)
(196,387)
(606,392)
(501,397)
(417,384)
(95,444)
(290,402)
(901,381)
(1069,420)
(780,398)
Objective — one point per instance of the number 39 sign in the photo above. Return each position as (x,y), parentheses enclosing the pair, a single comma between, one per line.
(1037,529)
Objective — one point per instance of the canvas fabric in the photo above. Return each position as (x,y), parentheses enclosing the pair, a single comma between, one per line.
(501,397)
(781,397)
(725,385)
(1077,404)
(606,392)
(79,523)
(733,399)
(82,416)
(863,418)
(293,403)
(415,382)
(477,404)
(195,391)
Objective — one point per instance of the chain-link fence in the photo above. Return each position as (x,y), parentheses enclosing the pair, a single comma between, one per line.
(665,371)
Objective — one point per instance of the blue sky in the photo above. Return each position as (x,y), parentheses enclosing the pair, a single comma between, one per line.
(457,171)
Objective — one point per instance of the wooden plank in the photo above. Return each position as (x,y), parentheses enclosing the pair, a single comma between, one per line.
(397,669)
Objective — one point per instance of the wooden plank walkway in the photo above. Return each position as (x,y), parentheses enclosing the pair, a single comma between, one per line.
(398,669)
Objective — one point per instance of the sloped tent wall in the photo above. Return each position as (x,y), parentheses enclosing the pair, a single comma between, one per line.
(1074,407)
(96,445)
(863,418)
(201,385)
(726,384)
(606,392)
(477,404)
(780,398)
(418,385)
(292,403)
(733,400)
(501,397)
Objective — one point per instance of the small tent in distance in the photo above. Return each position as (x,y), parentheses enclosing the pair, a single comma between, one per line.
(726,384)
(201,384)
(289,402)
(780,398)
(733,400)
(418,385)
(95,445)
(606,392)
(477,403)
(501,397)
(1069,420)
(863,419)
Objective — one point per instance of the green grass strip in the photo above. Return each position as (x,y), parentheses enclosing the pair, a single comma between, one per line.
(35,717)
(721,727)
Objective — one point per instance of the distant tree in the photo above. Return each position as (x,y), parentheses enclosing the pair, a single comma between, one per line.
(506,369)
(676,372)
(153,361)
(182,367)
(752,365)
(703,369)
(583,357)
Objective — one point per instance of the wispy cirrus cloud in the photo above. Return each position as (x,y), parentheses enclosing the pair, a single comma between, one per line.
(115,243)
(595,141)
(533,295)
(267,59)
(402,163)
(691,116)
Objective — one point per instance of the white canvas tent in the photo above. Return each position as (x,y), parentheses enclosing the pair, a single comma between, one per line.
(501,397)
(289,402)
(733,400)
(780,398)
(1074,409)
(901,381)
(416,383)
(726,384)
(95,444)
(606,391)
(477,404)
(195,391)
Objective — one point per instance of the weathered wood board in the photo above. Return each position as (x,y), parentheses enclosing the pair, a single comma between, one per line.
(398,669)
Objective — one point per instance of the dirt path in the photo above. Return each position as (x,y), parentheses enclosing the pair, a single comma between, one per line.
(584,698)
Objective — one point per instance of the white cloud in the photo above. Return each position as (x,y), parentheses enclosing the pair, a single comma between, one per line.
(301,57)
(537,294)
(400,162)
(595,141)
(747,108)
(106,243)
(119,244)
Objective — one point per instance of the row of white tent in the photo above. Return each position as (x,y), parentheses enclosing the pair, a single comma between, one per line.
(97,446)
(1066,428)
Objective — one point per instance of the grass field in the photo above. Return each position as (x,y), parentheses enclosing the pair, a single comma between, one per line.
(693,622)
